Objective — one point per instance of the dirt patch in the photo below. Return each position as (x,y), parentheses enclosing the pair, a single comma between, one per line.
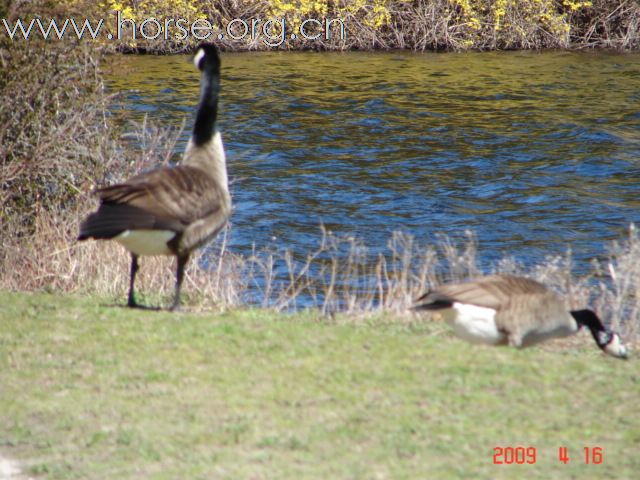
(10,470)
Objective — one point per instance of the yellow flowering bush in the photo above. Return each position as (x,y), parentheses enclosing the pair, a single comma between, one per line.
(138,10)
(374,13)
(384,24)
(574,5)
(510,23)
(469,12)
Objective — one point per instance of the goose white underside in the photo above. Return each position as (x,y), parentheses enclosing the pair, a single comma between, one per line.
(474,324)
(146,242)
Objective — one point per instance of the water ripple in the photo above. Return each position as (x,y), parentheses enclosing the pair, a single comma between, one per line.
(534,152)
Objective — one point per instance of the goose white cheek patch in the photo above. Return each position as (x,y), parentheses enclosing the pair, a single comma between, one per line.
(615,347)
(197,57)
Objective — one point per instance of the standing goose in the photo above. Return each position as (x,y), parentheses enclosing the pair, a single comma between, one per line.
(172,211)
(503,309)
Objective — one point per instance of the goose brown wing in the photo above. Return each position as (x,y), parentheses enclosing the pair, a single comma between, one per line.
(493,291)
(183,193)
(112,219)
(164,199)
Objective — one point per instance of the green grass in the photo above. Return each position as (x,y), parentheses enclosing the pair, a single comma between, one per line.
(89,390)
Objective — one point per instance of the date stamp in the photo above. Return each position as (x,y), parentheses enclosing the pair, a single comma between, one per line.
(515,455)
(521,455)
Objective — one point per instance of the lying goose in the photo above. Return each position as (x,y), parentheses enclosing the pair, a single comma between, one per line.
(503,309)
(172,211)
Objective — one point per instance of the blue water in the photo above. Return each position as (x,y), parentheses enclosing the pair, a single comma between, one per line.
(534,152)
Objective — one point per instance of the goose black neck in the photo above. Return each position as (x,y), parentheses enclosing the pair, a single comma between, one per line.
(207,115)
(589,319)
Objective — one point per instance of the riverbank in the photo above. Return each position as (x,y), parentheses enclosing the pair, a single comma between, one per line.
(47,185)
(91,390)
(440,25)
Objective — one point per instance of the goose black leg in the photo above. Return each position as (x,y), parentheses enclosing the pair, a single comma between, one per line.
(132,278)
(182,262)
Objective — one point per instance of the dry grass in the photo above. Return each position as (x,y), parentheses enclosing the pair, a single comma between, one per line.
(340,276)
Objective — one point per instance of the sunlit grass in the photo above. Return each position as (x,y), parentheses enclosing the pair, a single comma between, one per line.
(94,391)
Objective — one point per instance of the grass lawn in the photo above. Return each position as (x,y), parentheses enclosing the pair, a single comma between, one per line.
(93,391)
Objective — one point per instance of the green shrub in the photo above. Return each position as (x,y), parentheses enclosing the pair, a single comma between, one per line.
(50,127)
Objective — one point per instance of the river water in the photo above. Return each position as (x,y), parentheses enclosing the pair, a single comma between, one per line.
(533,152)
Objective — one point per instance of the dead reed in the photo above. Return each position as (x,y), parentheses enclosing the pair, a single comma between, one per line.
(340,276)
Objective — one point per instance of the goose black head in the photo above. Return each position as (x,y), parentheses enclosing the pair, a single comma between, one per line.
(206,58)
(607,340)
